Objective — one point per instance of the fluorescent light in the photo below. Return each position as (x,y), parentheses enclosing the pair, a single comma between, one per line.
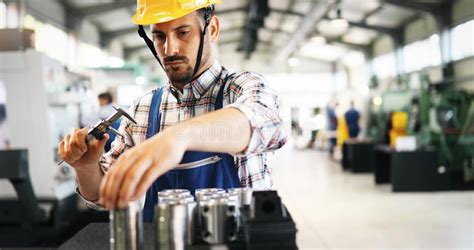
(293,62)
(377,101)
(140,80)
(115,62)
(318,40)
(340,24)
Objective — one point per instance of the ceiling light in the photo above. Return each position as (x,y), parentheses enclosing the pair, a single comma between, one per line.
(140,80)
(339,23)
(293,62)
(377,101)
(318,40)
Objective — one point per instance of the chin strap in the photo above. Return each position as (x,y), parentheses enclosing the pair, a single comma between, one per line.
(149,43)
(207,20)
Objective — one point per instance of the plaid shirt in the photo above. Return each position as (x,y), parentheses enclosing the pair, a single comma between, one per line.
(246,91)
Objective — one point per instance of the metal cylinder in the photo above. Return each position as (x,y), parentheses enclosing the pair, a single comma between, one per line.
(244,193)
(207,191)
(126,228)
(219,218)
(175,196)
(170,223)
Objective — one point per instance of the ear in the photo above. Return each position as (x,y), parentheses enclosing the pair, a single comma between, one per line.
(214,28)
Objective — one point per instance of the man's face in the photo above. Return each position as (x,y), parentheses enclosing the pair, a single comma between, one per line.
(103,102)
(177,44)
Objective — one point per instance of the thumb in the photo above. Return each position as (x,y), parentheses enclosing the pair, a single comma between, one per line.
(101,143)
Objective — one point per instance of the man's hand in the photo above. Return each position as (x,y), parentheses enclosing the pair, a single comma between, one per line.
(137,169)
(74,150)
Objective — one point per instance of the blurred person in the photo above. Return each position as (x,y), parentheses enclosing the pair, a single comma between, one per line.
(352,117)
(4,140)
(106,109)
(332,127)
(205,113)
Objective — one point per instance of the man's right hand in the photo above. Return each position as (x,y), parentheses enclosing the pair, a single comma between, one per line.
(74,150)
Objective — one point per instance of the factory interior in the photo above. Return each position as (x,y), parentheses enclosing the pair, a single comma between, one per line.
(339,124)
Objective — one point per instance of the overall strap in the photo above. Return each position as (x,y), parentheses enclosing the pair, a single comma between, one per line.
(154,116)
(220,95)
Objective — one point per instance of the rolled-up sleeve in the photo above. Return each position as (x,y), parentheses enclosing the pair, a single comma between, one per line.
(250,93)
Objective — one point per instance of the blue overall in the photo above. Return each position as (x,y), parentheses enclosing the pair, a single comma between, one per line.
(221,174)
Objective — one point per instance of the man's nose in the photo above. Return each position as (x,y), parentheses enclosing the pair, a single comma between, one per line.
(171,47)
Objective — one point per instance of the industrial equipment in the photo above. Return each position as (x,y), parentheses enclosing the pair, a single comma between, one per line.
(43,103)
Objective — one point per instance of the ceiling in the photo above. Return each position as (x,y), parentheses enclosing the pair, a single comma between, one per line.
(287,30)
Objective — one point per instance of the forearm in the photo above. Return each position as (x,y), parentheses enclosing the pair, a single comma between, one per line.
(89,179)
(226,130)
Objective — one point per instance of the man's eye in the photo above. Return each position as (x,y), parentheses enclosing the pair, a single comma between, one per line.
(183,33)
(159,37)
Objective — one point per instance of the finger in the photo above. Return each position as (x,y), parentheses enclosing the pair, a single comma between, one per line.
(131,179)
(127,164)
(80,140)
(115,178)
(101,143)
(102,186)
(74,151)
(147,179)
(61,149)
(67,152)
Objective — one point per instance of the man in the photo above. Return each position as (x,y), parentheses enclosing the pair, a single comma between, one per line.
(332,127)
(206,128)
(352,120)
(105,110)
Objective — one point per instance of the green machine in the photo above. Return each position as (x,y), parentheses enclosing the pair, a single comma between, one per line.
(440,117)
(446,119)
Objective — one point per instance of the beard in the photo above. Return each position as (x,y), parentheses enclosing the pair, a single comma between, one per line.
(178,69)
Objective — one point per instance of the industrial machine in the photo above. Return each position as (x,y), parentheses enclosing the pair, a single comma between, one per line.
(37,197)
(441,118)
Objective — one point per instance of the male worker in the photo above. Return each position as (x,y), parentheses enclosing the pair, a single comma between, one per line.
(352,120)
(206,128)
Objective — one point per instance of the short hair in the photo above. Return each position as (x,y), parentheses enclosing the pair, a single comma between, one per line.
(106,96)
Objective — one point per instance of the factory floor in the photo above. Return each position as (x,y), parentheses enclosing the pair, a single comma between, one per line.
(334,209)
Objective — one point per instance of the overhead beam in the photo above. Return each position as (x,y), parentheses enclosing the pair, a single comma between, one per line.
(287,12)
(317,12)
(419,7)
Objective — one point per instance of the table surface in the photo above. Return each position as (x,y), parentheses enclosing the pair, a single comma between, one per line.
(96,236)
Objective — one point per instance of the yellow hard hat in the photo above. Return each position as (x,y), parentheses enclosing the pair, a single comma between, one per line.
(160,11)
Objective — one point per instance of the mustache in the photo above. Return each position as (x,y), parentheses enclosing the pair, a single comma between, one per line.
(170,59)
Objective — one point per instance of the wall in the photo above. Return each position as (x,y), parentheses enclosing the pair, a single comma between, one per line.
(463,10)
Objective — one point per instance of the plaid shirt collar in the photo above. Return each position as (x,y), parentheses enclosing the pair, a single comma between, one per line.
(201,85)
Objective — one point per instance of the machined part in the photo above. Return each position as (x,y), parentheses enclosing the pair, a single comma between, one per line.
(126,228)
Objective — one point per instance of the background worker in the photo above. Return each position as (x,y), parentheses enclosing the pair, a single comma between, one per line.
(352,117)
(231,121)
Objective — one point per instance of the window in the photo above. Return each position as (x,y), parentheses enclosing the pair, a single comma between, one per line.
(384,66)
(48,39)
(421,54)
(3,15)
(462,40)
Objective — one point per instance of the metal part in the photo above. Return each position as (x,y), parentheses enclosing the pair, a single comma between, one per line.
(126,229)
(244,194)
(171,225)
(219,218)
(207,191)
